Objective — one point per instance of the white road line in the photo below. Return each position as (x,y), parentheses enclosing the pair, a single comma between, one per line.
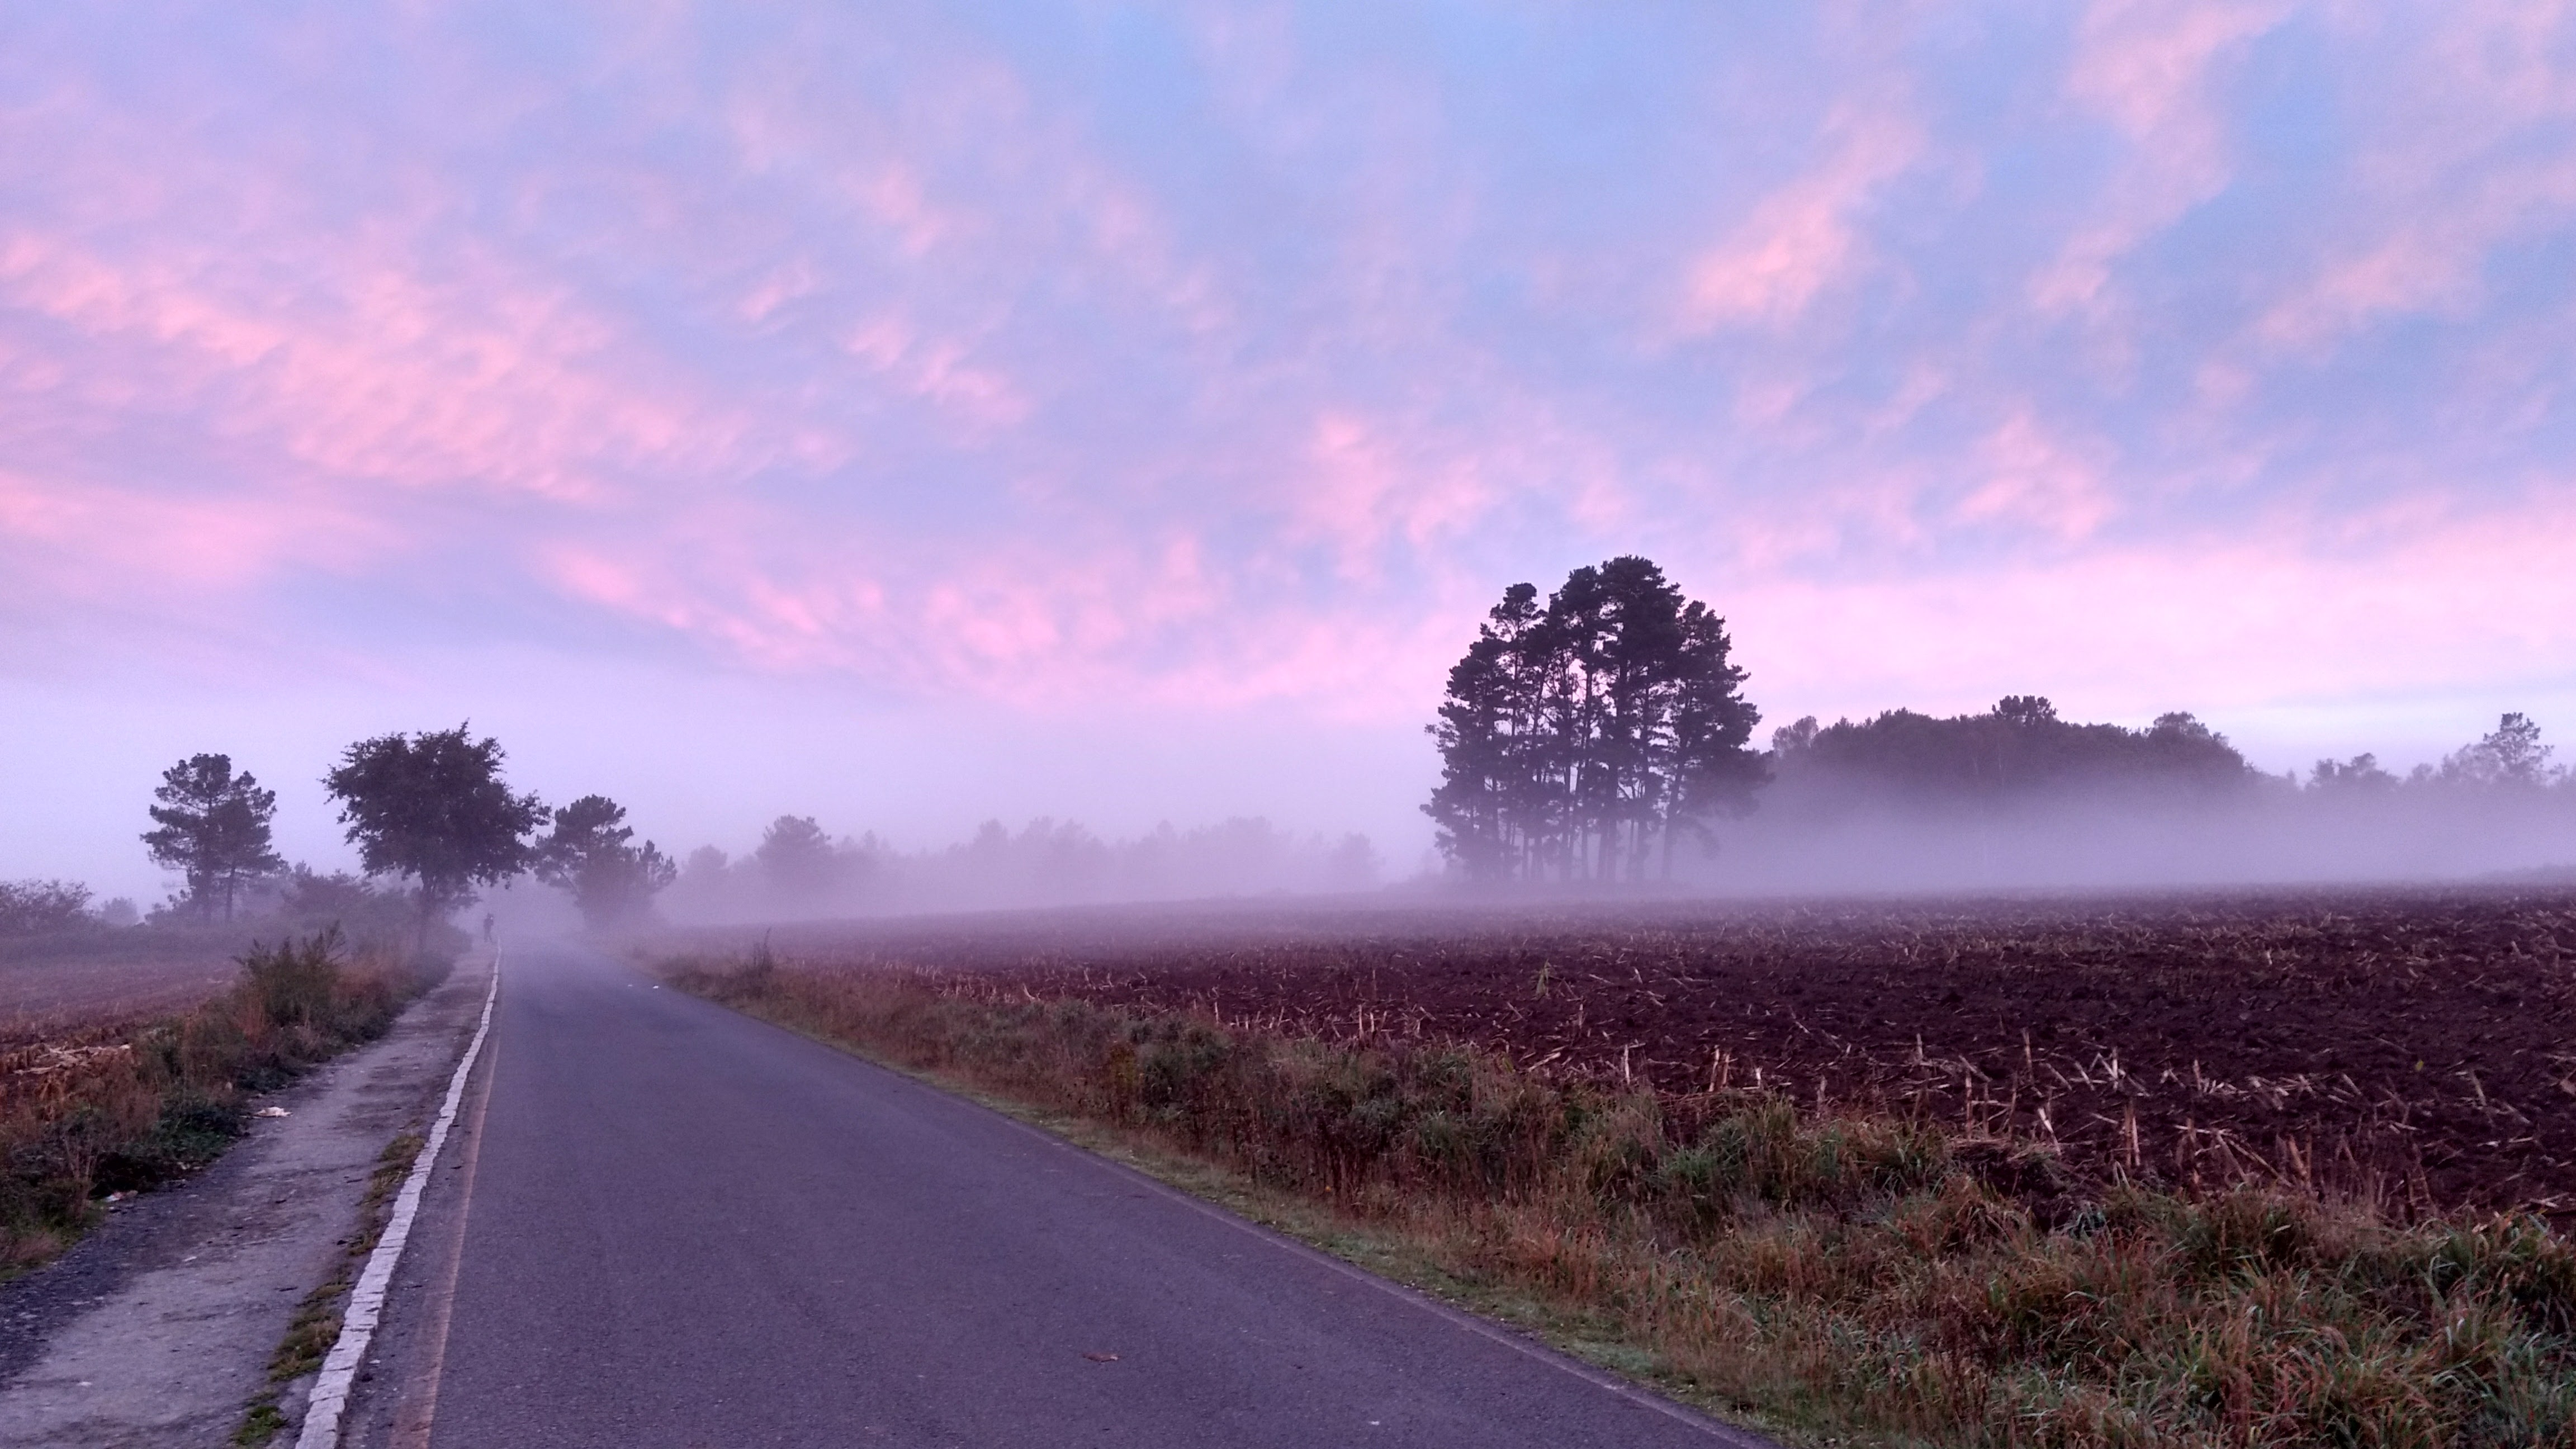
(367,1303)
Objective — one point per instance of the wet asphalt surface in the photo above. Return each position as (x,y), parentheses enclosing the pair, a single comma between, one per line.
(691,1228)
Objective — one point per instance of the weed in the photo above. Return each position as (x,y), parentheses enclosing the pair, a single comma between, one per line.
(260,1425)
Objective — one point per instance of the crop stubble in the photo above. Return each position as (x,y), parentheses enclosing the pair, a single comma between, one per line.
(2419,1047)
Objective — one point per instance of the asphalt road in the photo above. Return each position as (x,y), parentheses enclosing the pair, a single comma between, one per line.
(689,1228)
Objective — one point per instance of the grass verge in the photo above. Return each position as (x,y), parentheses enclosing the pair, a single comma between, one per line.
(1827,1275)
(125,1109)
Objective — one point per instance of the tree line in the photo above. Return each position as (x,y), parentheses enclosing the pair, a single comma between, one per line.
(1583,737)
(431,808)
(800,866)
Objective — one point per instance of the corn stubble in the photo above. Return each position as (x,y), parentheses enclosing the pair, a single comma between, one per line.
(1834,1271)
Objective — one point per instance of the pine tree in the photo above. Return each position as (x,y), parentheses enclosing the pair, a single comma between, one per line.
(1577,737)
(212,826)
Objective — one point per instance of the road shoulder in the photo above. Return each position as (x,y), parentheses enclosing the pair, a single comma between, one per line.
(158,1329)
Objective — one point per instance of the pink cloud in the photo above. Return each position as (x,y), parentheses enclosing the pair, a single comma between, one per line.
(938,370)
(362,369)
(1803,237)
(954,377)
(2034,478)
(144,551)
(1360,489)
(2148,67)
(2466,157)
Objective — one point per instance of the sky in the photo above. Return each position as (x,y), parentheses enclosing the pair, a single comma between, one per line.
(911,413)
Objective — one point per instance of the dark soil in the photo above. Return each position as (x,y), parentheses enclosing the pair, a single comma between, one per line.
(2417,1046)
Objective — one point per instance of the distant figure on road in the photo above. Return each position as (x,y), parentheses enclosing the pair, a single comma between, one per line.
(487,926)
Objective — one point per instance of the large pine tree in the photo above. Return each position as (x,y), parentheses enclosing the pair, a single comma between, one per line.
(1579,739)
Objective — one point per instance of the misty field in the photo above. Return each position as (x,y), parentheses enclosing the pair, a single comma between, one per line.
(2416,1047)
(78,980)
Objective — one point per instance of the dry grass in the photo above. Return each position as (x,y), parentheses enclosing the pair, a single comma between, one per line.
(124,1108)
(1836,1272)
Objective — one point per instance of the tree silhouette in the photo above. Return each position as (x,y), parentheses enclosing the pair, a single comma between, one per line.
(2511,756)
(433,806)
(2359,775)
(2019,749)
(212,826)
(1577,738)
(798,858)
(589,855)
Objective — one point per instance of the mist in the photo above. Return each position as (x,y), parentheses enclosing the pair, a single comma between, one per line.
(2084,841)
(798,870)
(2017,799)
(2009,800)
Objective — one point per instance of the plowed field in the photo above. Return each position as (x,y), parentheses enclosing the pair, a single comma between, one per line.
(97,979)
(2420,1046)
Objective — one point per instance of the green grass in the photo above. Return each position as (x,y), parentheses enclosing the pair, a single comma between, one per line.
(1832,1277)
(260,1425)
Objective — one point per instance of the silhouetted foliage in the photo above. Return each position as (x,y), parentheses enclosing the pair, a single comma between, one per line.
(29,907)
(363,909)
(212,826)
(433,806)
(2019,749)
(2512,757)
(797,859)
(1577,738)
(590,855)
(2359,775)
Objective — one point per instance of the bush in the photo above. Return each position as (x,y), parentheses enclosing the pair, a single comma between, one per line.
(84,1117)
(29,907)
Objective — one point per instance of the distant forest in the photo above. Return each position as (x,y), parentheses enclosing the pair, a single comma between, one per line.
(1604,735)
(799,868)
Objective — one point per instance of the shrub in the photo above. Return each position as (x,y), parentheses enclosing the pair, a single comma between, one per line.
(127,1110)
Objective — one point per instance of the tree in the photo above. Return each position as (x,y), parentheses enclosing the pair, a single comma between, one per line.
(1577,737)
(2512,756)
(2019,750)
(212,826)
(798,858)
(589,855)
(2359,775)
(433,807)
(1714,769)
